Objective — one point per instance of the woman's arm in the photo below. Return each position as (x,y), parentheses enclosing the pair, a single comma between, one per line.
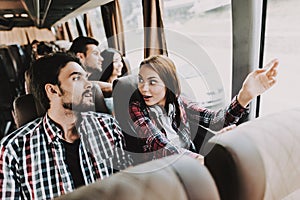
(214,120)
(257,82)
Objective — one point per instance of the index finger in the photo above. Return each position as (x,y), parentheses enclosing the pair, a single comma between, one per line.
(272,66)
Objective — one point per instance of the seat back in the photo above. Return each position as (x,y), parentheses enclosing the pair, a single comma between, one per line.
(7,92)
(10,70)
(24,110)
(126,68)
(175,177)
(6,88)
(258,159)
(100,105)
(123,89)
(21,63)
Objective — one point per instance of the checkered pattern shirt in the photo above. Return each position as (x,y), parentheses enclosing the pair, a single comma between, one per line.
(154,140)
(32,160)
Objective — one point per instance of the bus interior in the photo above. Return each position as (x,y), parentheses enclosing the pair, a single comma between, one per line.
(214,44)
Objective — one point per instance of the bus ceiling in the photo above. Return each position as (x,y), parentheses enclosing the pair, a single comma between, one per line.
(41,13)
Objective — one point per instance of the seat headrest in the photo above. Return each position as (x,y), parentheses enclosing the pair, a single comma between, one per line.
(166,178)
(258,159)
(24,109)
(123,89)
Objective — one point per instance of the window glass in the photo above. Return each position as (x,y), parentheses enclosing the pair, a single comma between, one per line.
(201,29)
(282,41)
(133,27)
(97,26)
(73,28)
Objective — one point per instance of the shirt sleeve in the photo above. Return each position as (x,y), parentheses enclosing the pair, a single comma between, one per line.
(9,185)
(122,158)
(214,120)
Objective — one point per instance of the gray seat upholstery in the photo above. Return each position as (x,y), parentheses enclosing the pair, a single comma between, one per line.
(123,91)
(100,105)
(258,159)
(175,177)
(24,110)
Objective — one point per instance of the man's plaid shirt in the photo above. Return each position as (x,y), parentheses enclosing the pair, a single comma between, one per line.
(32,160)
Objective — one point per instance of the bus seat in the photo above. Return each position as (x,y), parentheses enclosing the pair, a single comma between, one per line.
(24,110)
(127,65)
(123,89)
(9,68)
(6,90)
(175,177)
(7,94)
(21,63)
(259,159)
(100,105)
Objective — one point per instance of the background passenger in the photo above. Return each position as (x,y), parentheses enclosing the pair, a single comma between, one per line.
(88,52)
(162,117)
(112,67)
(66,148)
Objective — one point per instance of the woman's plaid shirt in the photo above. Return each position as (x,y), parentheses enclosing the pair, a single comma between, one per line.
(154,141)
(32,160)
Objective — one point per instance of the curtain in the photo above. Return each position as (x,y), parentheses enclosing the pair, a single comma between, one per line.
(80,26)
(113,25)
(60,35)
(67,28)
(154,36)
(25,34)
(87,25)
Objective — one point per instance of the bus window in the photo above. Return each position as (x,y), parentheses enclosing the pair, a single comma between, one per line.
(96,22)
(207,26)
(282,41)
(133,30)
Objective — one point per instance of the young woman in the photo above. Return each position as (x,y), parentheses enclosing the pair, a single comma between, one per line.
(162,117)
(112,68)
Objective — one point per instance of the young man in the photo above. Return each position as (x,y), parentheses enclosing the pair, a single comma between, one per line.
(87,50)
(66,148)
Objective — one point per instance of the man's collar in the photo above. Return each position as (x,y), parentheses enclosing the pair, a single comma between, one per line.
(52,129)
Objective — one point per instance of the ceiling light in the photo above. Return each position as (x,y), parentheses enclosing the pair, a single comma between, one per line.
(24,15)
(8,15)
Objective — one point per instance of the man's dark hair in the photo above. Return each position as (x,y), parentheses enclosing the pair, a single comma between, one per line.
(46,70)
(79,44)
(44,49)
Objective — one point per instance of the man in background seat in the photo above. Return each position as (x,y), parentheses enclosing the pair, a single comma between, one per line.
(88,52)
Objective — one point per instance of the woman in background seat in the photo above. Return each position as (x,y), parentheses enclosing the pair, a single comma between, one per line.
(113,66)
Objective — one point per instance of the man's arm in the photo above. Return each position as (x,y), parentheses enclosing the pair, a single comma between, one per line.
(9,185)
(122,158)
(105,86)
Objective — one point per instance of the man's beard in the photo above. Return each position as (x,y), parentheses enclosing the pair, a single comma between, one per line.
(81,106)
